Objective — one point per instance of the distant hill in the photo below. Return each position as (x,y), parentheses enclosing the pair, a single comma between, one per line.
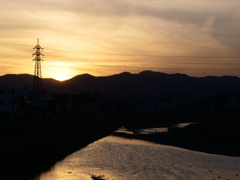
(20,81)
(126,83)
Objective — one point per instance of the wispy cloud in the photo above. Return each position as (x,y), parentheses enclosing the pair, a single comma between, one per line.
(122,34)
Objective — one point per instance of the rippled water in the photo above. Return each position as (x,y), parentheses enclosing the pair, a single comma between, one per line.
(123,159)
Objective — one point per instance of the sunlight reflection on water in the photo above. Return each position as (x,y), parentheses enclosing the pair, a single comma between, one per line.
(61,172)
(124,159)
(78,166)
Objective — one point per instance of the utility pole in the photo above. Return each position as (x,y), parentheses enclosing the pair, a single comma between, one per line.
(37,87)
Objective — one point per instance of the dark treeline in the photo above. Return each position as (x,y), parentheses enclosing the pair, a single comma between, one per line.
(128,84)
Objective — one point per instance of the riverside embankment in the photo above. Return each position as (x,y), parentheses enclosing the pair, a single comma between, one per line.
(30,146)
(35,149)
(134,159)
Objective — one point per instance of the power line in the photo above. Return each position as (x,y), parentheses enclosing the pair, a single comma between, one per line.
(149,55)
(159,62)
(143,55)
(163,68)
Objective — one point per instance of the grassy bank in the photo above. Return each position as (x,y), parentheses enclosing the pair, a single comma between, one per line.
(226,131)
(43,143)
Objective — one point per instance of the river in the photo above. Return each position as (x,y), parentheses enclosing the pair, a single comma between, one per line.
(116,158)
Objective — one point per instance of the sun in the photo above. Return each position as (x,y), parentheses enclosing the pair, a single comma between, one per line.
(61,77)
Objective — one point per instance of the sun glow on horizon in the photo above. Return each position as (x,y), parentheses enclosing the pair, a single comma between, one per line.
(61,77)
(60,71)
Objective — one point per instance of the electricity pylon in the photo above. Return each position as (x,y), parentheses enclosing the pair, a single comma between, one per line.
(37,87)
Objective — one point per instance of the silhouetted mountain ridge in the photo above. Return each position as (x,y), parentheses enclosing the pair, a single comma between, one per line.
(127,83)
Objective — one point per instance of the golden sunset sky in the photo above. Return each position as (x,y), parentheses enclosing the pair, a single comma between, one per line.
(105,37)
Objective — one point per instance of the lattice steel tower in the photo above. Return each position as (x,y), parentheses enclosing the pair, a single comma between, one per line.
(37,87)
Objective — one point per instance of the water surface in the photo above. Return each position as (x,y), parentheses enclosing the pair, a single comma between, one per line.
(123,159)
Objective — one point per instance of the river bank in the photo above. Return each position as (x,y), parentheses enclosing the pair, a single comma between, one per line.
(163,136)
(225,131)
(22,157)
(31,146)
(131,159)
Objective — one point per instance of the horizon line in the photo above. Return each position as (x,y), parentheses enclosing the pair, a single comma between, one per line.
(203,76)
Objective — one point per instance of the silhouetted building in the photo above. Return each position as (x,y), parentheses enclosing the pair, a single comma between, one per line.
(6,105)
(61,103)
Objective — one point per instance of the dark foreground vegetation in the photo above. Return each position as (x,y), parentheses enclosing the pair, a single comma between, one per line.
(30,146)
(215,130)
